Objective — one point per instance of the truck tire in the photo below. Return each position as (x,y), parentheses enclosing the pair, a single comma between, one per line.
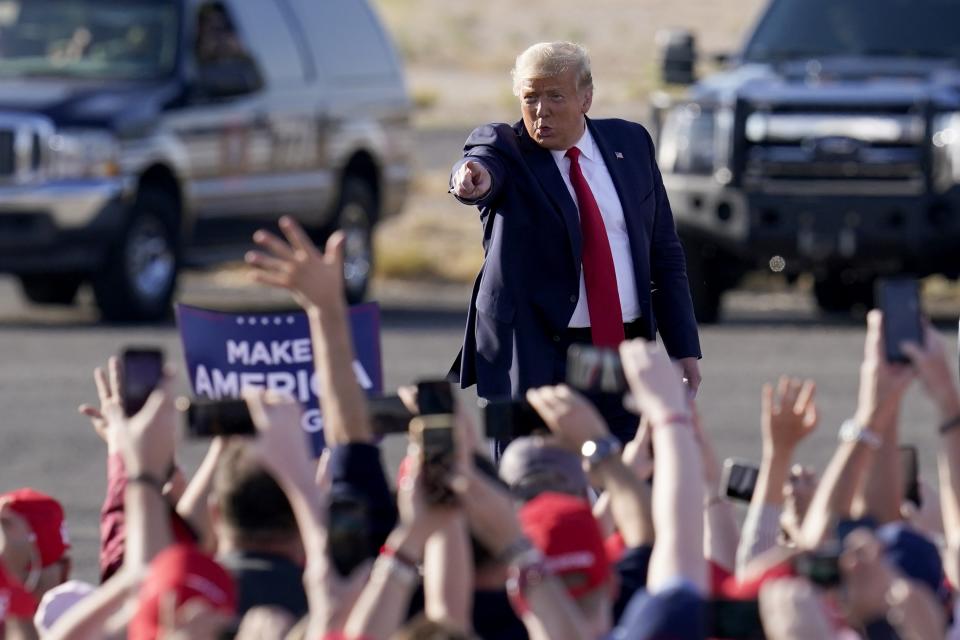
(138,278)
(51,288)
(705,289)
(839,293)
(356,216)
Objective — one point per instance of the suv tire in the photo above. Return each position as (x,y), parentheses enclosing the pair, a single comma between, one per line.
(356,216)
(706,288)
(137,280)
(56,288)
(839,293)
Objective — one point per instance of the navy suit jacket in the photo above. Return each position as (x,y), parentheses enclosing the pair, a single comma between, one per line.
(528,285)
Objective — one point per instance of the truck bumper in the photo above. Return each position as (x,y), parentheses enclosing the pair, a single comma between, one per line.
(62,226)
(880,232)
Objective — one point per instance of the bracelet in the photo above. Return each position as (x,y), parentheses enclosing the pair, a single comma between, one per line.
(675,418)
(389,552)
(949,425)
(147,480)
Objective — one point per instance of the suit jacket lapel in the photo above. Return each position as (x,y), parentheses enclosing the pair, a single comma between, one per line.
(618,172)
(544,167)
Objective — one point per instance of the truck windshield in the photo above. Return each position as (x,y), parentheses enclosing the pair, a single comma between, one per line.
(117,40)
(823,28)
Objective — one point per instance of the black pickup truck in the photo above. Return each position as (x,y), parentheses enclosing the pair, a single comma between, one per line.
(829,145)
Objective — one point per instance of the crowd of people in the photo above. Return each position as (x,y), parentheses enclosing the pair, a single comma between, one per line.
(565,538)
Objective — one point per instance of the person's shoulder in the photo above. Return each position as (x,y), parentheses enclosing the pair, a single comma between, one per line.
(619,126)
(494,131)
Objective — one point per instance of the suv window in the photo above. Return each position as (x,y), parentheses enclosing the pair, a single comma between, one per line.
(266,29)
(822,28)
(122,39)
(347,38)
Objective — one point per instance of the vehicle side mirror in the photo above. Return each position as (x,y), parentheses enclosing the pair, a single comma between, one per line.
(678,55)
(228,77)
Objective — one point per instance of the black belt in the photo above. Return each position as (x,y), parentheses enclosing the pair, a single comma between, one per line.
(631,330)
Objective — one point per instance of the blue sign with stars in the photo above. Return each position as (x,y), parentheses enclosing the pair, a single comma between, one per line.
(227,352)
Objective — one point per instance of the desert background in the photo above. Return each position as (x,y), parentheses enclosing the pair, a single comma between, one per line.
(458,56)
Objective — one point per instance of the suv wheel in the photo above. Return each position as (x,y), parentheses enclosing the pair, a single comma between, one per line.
(137,280)
(355,217)
(54,288)
(842,292)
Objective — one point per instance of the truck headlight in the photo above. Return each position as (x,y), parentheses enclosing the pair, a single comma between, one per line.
(946,150)
(696,140)
(83,154)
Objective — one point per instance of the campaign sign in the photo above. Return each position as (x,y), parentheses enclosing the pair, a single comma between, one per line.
(227,352)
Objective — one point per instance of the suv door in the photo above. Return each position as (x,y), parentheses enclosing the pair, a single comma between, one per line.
(218,126)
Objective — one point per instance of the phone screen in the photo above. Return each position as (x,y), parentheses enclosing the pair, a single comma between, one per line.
(911,474)
(821,567)
(739,479)
(389,415)
(141,372)
(210,418)
(434,397)
(900,303)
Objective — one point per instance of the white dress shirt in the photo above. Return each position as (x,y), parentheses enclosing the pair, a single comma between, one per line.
(605,193)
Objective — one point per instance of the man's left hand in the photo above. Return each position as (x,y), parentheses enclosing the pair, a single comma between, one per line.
(691,373)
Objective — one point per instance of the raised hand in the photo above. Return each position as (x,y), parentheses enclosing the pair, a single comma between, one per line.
(789,414)
(471,181)
(882,384)
(655,382)
(934,371)
(108,393)
(568,415)
(314,277)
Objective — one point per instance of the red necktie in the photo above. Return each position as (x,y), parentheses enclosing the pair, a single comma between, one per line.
(599,274)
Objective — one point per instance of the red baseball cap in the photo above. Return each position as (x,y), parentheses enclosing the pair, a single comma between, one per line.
(563,528)
(15,601)
(189,574)
(44,516)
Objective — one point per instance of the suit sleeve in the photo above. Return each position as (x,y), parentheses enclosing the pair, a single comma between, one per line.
(672,305)
(481,146)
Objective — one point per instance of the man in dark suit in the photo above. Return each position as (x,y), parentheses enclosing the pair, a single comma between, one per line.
(579,240)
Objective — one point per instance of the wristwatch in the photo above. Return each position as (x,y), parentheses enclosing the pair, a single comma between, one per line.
(596,451)
(853,431)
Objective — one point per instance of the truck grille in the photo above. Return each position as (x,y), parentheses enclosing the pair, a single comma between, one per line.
(858,149)
(23,141)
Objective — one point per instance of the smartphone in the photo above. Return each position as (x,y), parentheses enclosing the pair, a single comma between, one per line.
(348,533)
(739,478)
(900,302)
(595,370)
(735,620)
(911,474)
(141,370)
(506,418)
(389,415)
(434,397)
(820,566)
(210,418)
(434,436)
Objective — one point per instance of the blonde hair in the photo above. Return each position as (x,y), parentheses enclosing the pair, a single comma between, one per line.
(551,59)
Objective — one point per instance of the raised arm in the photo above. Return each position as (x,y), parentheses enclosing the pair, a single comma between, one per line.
(788,415)
(315,278)
(882,386)
(936,373)
(659,393)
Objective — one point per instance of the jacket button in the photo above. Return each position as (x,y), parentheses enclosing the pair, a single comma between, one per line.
(573,298)
(556,338)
